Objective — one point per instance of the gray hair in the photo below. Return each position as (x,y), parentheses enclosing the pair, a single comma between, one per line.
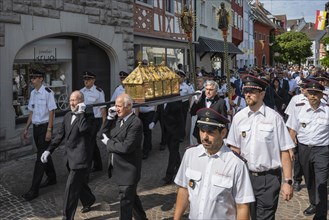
(212,83)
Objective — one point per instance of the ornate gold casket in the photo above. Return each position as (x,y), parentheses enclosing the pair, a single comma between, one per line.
(149,82)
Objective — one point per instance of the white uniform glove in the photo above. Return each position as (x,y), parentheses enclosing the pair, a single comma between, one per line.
(151,125)
(44,156)
(105,139)
(111,113)
(81,108)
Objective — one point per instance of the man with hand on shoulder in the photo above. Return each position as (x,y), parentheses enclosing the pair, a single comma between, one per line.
(213,179)
(75,131)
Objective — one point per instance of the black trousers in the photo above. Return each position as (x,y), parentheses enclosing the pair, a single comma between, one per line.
(266,190)
(130,204)
(315,163)
(39,135)
(147,118)
(76,188)
(97,159)
(185,108)
(298,171)
(174,157)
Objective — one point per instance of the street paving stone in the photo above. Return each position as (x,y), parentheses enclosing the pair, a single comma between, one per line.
(158,200)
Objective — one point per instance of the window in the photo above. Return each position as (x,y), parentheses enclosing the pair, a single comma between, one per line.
(214,14)
(150,2)
(203,12)
(169,6)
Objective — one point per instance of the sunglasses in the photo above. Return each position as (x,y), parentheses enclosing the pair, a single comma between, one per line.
(314,92)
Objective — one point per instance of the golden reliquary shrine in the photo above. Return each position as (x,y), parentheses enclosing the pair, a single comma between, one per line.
(149,82)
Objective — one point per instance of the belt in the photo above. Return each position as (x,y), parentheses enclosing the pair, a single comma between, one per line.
(276,171)
(39,125)
(310,145)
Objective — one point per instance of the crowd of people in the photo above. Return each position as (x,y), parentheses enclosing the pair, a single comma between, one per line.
(249,140)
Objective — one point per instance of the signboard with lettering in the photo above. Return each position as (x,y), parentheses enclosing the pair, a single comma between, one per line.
(43,54)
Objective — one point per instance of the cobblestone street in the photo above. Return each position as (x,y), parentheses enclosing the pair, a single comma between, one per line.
(158,200)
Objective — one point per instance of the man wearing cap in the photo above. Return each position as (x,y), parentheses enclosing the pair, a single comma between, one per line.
(42,107)
(208,99)
(93,95)
(119,89)
(259,134)
(311,126)
(323,79)
(213,179)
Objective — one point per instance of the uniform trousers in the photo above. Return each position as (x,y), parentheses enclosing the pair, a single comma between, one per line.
(97,159)
(147,118)
(130,204)
(185,107)
(315,164)
(266,187)
(298,171)
(39,135)
(174,157)
(76,188)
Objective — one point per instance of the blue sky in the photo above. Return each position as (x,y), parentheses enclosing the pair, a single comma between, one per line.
(295,8)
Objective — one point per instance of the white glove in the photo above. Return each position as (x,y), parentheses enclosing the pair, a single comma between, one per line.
(105,139)
(151,125)
(111,113)
(44,156)
(81,108)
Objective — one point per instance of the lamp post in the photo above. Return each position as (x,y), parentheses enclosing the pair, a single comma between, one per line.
(223,18)
(187,21)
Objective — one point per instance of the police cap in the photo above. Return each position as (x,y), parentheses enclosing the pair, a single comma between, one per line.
(210,119)
(181,73)
(252,82)
(36,73)
(88,75)
(322,76)
(314,86)
(123,74)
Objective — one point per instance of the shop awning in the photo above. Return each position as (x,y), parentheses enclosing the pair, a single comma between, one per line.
(208,45)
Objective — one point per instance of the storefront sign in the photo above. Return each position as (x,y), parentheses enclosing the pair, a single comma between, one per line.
(43,54)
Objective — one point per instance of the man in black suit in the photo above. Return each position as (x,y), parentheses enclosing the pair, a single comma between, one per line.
(171,115)
(208,99)
(122,134)
(75,131)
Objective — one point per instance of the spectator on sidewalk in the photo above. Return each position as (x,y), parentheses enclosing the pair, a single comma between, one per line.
(75,130)
(42,107)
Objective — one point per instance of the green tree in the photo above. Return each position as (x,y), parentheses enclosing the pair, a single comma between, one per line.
(292,47)
(325,60)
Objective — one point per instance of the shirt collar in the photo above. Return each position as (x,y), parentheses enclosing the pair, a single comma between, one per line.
(220,154)
(91,88)
(42,87)
(261,110)
(126,118)
(320,108)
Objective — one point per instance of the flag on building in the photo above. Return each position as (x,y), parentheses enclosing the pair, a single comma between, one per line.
(320,19)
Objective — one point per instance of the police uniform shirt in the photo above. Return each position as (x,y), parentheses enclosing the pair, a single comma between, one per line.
(118,91)
(296,99)
(312,126)
(325,98)
(215,183)
(184,90)
(260,136)
(94,95)
(41,102)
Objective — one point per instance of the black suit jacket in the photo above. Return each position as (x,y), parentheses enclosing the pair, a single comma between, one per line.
(218,104)
(77,141)
(172,119)
(124,145)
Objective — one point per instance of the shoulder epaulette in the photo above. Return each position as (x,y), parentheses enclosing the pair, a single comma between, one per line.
(99,89)
(239,156)
(188,147)
(300,104)
(48,89)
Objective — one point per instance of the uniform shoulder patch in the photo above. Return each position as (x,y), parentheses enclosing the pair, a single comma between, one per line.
(99,89)
(239,156)
(300,104)
(48,89)
(188,147)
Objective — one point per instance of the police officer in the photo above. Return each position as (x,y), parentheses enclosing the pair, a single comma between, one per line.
(42,107)
(119,89)
(93,95)
(311,125)
(213,179)
(146,114)
(260,135)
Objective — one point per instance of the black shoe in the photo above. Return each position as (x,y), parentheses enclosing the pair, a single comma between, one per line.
(88,207)
(297,186)
(310,210)
(162,147)
(95,169)
(47,182)
(167,180)
(30,195)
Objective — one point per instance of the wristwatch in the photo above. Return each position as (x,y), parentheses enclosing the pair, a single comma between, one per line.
(289,181)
